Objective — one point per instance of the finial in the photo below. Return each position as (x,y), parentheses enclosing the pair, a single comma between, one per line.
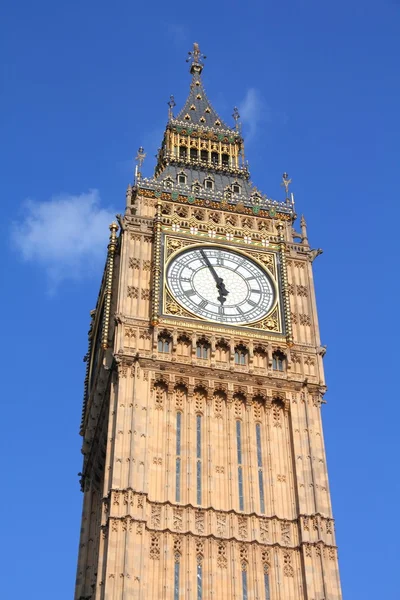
(236,118)
(303,226)
(285,183)
(196,59)
(140,156)
(171,105)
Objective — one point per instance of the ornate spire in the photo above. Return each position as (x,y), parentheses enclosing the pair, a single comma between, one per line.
(196,59)
(197,109)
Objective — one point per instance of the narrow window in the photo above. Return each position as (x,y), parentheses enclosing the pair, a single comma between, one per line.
(183,151)
(193,153)
(198,457)
(225,160)
(209,184)
(176,581)
(182,178)
(214,158)
(278,361)
(260,468)
(199,581)
(236,188)
(203,349)
(164,344)
(266,586)
(240,464)
(240,355)
(244,584)
(204,155)
(178,457)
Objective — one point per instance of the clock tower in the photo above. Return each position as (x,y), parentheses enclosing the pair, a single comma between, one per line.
(204,472)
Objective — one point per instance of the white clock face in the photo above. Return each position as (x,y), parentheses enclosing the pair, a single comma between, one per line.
(220,285)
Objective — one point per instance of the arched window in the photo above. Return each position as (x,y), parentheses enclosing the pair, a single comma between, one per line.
(241,355)
(182,151)
(203,349)
(204,155)
(164,343)
(209,184)
(225,160)
(214,158)
(278,361)
(194,153)
(222,351)
(236,188)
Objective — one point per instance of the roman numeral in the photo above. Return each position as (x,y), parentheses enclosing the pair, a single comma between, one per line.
(189,293)
(252,303)
(203,304)
(255,291)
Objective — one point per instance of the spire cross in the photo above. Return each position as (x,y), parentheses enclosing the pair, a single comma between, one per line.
(286,182)
(196,59)
(236,118)
(171,105)
(140,156)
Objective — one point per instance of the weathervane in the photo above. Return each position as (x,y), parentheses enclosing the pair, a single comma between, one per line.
(196,59)
(140,156)
(171,105)
(236,118)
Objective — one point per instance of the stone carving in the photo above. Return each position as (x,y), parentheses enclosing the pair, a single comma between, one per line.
(156,515)
(287,564)
(294,318)
(128,498)
(281,478)
(146,265)
(116,498)
(285,533)
(264,530)
(145,294)
(329,526)
(222,560)
(177,519)
(114,525)
(276,415)
(221,524)
(304,319)
(332,553)
(308,550)
(242,525)
(155,546)
(134,263)
(133,292)
(160,393)
(302,290)
(266,559)
(199,521)
(140,501)
(177,548)
(199,550)
(306,524)
(199,397)
(220,469)
(291,289)
(157,460)
(180,396)
(243,556)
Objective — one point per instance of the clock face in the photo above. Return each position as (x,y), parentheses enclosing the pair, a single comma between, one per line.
(220,285)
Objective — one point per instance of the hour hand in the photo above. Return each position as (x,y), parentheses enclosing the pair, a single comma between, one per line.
(223,292)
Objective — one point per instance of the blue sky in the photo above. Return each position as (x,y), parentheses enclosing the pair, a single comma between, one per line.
(83,85)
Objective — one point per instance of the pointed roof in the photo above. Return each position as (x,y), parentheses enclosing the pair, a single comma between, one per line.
(198,109)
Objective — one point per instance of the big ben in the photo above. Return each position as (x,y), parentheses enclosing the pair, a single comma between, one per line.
(204,471)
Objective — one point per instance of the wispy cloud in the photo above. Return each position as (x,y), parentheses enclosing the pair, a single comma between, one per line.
(66,235)
(253,112)
(177,32)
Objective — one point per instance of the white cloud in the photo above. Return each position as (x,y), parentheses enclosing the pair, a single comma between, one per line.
(253,112)
(66,236)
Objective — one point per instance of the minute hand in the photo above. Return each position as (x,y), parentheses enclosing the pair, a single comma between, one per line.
(223,292)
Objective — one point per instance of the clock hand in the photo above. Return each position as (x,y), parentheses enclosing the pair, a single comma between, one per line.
(223,292)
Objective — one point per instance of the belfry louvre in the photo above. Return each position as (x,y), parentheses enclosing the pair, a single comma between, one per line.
(204,471)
